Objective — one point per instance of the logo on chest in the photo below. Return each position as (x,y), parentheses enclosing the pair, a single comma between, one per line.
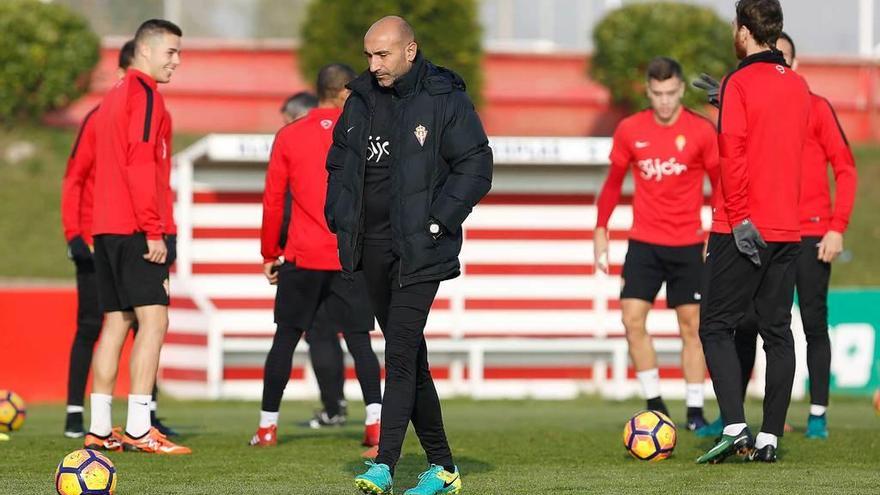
(377,149)
(421,134)
(656,169)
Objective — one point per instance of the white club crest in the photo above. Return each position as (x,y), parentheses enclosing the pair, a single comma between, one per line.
(326,123)
(421,134)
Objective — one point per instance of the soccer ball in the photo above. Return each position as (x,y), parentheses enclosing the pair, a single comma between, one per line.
(12,411)
(649,436)
(85,472)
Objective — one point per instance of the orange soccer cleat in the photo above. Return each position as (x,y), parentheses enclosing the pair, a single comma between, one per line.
(110,443)
(371,435)
(153,442)
(265,437)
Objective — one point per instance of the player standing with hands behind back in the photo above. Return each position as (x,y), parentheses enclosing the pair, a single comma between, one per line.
(762,127)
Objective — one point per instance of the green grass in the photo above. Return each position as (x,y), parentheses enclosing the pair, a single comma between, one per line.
(501,447)
(34,246)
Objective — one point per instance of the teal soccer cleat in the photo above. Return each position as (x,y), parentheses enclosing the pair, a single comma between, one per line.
(437,481)
(376,481)
(711,430)
(817,427)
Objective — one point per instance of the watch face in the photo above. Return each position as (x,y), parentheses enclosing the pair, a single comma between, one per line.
(434,228)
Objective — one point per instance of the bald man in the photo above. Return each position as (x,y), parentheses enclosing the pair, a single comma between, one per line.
(409,161)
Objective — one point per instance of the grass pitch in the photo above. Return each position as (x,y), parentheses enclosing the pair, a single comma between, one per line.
(501,447)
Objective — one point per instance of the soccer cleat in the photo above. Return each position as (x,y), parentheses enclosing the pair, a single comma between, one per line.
(694,423)
(371,435)
(153,442)
(110,443)
(436,481)
(376,481)
(157,424)
(711,430)
(265,437)
(817,427)
(766,453)
(324,420)
(73,425)
(728,445)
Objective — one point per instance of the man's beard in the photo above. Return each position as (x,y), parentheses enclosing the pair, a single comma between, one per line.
(739,48)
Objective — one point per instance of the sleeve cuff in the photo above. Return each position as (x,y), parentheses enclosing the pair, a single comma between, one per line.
(155,236)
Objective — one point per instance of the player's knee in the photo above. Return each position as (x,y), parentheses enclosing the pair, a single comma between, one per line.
(634,325)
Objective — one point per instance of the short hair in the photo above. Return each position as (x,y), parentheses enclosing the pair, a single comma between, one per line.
(332,79)
(762,17)
(663,68)
(126,54)
(299,104)
(153,27)
(786,37)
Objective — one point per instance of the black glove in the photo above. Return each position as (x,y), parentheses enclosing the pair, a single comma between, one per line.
(708,84)
(78,250)
(171,245)
(748,239)
(435,228)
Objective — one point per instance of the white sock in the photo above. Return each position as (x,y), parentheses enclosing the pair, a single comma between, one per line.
(138,423)
(815,410)
(765,439)
(153,405)
(75,409)
(101,419)
(694,397)
(268,419)
(650,382)
(734,429)
(374,413)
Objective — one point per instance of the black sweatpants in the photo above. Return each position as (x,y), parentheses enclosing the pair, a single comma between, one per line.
(733,285)
(89,319)
(811,280)
(409,389)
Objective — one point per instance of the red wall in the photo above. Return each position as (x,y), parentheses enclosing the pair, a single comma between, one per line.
(240,88)
(37,326)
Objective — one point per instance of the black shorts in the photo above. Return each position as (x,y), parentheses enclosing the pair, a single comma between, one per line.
(647,266)
(321,300)
(125,279)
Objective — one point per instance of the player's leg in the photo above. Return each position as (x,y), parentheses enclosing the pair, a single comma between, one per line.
(812,278)
(773,307)
(88,326)
(296,302)
(684,269)
(746,339)
(729,285)
(325,353)
(642,278)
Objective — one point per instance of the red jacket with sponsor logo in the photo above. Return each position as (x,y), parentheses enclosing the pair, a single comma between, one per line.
(762,127)
(78,186)
(826,143)
(668,163)
(133,160)
(297,164)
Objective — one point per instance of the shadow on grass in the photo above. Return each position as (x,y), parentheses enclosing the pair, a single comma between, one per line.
(411,465)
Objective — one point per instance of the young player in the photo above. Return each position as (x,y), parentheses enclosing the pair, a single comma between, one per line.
(670,149)
(308,274)
(77,195)
(133,214)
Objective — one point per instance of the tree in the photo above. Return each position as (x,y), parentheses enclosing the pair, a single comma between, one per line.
(629,37)
(48,54)
(448,33)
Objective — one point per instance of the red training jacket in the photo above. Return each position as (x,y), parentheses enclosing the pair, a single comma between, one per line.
(78,186)
(826,143)
(762,127)
(668,165)
(133,160)
(297,163)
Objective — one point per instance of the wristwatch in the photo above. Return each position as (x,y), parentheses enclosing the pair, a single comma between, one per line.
(435,229)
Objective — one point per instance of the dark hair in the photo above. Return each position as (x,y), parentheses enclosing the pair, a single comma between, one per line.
(762,17)
(298,104)
(786,37)
(663,68)
(126,54)
(156,26)
(332,79)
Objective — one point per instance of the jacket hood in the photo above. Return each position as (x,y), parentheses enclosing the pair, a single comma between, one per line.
(435,79)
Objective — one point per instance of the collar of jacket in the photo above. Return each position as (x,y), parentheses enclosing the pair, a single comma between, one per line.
(407,85)
(770,56)
(435,80)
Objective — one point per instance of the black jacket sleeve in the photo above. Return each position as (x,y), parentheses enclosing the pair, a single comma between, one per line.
(465,148)
(335,167)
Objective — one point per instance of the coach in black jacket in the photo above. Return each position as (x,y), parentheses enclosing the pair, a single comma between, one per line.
(409,161)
